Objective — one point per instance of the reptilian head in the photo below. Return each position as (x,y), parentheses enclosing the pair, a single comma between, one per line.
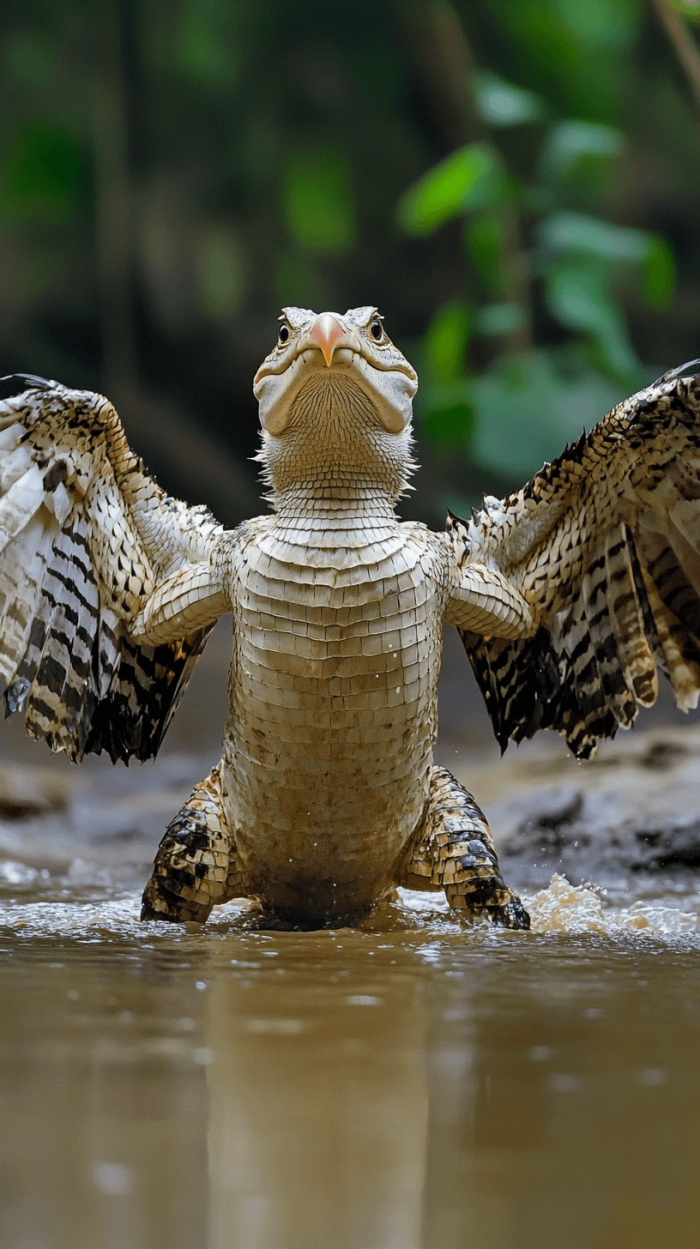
(335,399)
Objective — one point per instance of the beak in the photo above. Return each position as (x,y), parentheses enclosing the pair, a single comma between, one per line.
(325,332)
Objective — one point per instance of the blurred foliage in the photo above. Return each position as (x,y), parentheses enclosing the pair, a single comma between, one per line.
(318,201)
(515,186)
(521,408)
(469,178)
(688,8)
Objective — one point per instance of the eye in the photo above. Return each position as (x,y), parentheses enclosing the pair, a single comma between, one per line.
(376,331)
(283,334)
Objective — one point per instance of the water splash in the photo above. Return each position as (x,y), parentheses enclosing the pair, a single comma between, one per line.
(564,908)
(575,909)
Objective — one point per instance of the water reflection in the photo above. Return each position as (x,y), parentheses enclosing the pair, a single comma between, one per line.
(103,1110)
(578,1123)
(319,1099)
(415,1089)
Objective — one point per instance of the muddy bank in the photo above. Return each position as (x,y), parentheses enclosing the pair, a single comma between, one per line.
(629,820)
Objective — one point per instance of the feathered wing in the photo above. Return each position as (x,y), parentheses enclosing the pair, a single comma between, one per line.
(86,539)
(603,545)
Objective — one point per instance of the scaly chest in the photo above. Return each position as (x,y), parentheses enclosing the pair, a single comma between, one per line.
(332,711)
(335,648)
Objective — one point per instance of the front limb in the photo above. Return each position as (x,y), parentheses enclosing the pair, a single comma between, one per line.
(189,600)
(482,600)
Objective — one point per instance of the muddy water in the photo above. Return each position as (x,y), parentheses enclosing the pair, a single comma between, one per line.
(414,1084)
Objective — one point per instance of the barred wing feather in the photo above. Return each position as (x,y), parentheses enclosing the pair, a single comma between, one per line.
(84,535)
(604,544)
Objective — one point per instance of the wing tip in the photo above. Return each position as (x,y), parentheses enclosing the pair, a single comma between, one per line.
(13,384)
(672,375)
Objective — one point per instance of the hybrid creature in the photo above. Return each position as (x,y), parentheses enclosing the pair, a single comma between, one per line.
(569,595)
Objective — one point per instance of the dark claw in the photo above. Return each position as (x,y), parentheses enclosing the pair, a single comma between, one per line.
(161,903)
(512,915)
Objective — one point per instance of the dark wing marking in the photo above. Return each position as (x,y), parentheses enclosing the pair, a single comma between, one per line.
(65,651)
(136,714)
(604,544)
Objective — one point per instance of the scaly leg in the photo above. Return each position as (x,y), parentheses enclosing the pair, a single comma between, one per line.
(195,866)
(454,851)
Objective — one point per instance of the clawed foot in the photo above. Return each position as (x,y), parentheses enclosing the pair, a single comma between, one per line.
(162,903)
(454,851)
(490,897)
(512,915)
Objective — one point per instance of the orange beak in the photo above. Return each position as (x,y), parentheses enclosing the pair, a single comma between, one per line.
(326,332)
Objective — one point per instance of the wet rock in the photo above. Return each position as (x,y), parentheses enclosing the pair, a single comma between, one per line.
(663,755)
(28,793)
(666,849)
(551,829)
(611,831)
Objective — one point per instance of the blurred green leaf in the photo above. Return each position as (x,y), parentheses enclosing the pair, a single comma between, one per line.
(576,234)
(44,170)
(484,239)
(578,52)
(690,9)
(569,142)
(502,104)
(591,236)
(659,273)
(318,203)
(495,319)
(204,47)
(526,410)
(29,58)
(453,424)
(471,177)
(601,24)
(221,270)
(446,341)
(579,297)
(300,280)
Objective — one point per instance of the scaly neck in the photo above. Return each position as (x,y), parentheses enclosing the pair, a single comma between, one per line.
(334,459)
(341,506)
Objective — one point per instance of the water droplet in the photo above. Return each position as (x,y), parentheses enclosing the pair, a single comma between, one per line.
(113,1179)
(281,1027)
(540,1053)
(652,1077)
(562,1082)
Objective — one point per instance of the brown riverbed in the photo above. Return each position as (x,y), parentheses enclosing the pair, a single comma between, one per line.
(410,1085)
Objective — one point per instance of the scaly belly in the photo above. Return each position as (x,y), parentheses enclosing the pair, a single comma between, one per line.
(329,742)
